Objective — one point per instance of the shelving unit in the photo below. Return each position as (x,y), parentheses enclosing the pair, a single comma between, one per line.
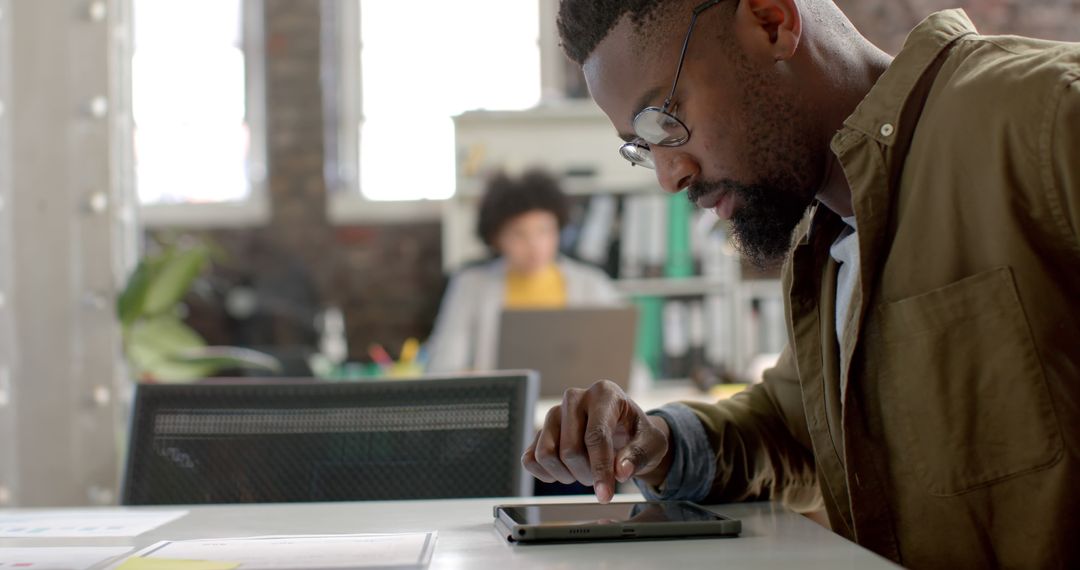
(575,141)
(672,287)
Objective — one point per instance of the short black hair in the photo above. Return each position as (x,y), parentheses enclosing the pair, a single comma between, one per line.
(506,198)
(583,24)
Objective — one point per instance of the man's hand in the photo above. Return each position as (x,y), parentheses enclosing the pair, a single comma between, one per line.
(597,436)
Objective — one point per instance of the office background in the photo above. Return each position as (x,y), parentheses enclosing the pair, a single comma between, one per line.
(299,239)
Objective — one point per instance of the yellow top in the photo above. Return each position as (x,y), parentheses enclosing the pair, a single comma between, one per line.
(545,289)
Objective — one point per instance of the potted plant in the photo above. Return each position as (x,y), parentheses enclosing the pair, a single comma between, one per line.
(159,346)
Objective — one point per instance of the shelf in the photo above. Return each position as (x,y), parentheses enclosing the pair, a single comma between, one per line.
(680,286)
(569,110)
(761,288)
(472,189)
(672,287)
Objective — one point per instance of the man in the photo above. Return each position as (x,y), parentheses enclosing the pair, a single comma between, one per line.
(930,392)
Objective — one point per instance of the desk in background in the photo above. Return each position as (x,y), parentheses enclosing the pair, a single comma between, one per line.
(772,537)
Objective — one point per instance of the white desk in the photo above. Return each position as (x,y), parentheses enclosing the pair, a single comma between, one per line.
(772,536)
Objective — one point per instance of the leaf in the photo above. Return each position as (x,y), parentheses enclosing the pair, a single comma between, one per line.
(157,342)
(171,281)
(153,345)
(172,371)
(167,334)
(225,357)
(129,305)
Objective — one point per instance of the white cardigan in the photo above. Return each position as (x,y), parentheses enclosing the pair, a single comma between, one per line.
(467,330)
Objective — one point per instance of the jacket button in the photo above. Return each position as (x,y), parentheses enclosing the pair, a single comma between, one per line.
(887,130)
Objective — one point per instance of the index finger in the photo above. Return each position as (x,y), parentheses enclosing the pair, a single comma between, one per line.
(601,449)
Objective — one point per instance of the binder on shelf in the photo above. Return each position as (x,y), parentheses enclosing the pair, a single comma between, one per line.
(676,338)
(632,239)
(655,233)
(750,334)
(696,337)
(703,224)
(595,238)
(571,233)
(720,324)
(680,260)
(718,257)
(649,333)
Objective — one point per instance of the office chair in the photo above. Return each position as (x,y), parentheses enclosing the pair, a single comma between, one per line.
(292,441)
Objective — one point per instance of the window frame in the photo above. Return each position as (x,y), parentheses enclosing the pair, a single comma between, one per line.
(9,343)
(346,203)
(255,209)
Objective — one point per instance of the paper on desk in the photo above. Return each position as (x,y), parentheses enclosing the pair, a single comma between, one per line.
(310,552)
(83,523)
(138,563)
(58,558)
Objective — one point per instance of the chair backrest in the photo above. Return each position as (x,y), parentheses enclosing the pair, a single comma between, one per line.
(285,441)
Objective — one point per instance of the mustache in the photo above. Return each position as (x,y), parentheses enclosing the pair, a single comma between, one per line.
(701,188)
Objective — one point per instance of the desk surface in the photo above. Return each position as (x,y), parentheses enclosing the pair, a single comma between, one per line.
(772,537)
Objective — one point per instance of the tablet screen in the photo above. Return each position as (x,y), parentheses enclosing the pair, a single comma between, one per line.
(586,513)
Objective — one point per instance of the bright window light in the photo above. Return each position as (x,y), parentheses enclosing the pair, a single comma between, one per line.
(423,62)
(192,139)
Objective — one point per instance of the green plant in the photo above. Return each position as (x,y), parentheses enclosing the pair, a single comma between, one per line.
(158,345)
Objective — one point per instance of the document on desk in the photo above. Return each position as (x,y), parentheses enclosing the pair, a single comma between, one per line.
(310,552)
(83,523)
(59,558)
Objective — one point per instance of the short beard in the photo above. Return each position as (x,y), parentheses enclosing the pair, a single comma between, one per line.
(767,214)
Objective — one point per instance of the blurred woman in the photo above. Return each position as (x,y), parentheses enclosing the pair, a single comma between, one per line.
(520,220)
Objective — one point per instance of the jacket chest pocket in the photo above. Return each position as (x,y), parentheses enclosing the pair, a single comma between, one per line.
(963,386)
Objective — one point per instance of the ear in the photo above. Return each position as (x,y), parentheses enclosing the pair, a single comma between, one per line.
(776,25)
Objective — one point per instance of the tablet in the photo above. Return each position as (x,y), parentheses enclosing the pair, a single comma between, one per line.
(613,521)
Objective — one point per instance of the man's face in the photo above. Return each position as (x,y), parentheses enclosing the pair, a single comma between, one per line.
(751,157)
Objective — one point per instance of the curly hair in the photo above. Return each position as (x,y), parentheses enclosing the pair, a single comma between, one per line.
(506,198)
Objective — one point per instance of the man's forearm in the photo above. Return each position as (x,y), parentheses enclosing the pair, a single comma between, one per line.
(689,466)
(658,474)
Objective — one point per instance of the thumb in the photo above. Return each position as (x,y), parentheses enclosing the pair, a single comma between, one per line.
(643,452)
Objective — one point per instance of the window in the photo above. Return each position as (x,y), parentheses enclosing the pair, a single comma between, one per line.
(408,68)
(196,72)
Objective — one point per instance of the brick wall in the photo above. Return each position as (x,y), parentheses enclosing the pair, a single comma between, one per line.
(887,22)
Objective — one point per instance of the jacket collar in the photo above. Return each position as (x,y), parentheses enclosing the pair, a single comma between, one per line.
(886,100)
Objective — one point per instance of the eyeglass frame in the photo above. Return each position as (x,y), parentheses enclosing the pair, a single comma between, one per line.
(640,144)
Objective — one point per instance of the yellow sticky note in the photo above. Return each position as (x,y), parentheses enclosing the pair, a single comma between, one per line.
(139,563)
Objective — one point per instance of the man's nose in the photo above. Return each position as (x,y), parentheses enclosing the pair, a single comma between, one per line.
(674,170)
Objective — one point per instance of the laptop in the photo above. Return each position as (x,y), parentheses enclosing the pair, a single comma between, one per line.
(570,348)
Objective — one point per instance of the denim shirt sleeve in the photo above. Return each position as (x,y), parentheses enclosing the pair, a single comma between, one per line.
(693,464)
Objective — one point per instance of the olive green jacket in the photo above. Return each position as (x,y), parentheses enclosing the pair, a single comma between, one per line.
(957,443)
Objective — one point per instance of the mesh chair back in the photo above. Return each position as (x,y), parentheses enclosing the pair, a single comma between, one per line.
(245,442)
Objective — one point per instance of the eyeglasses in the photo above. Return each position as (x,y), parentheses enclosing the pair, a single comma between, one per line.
(657,125)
